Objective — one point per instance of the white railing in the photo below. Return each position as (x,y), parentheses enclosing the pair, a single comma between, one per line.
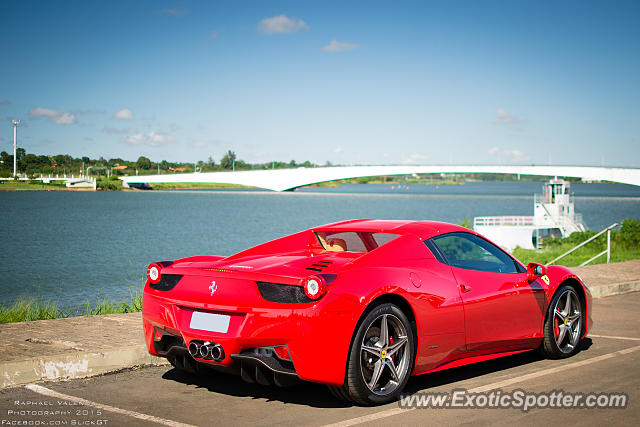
(606,251)
(493,221)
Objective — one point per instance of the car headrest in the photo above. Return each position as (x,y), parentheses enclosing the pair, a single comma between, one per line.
(336,245)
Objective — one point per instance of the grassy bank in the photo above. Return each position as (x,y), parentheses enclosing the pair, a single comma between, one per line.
(14,185)
(625,245)
(38,309)
(393,180)
(192,185)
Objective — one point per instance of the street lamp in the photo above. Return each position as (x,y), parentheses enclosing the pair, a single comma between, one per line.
(15,132)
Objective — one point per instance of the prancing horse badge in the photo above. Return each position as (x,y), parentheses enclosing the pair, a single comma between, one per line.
(213,288)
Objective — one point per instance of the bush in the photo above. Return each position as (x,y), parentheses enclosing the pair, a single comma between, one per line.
(110,184)
(628,236)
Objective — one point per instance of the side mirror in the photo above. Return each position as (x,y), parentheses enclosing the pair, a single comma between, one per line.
(535,271)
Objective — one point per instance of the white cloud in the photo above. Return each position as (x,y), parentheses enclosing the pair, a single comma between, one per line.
(336,46)
(504,118)
(54,116)
(282,24)
(124,114)
(514,156)
(152,139)
(494,151)
(213,34)
(416,158)
(337,150)
(174,12)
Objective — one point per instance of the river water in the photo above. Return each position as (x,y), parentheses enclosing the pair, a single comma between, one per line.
(73,247)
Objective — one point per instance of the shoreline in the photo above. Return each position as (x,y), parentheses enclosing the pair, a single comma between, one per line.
(47,189)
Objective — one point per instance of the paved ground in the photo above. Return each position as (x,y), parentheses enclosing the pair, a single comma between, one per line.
(607,363)
(76,347)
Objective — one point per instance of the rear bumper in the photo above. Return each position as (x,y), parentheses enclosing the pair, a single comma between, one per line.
(318,336)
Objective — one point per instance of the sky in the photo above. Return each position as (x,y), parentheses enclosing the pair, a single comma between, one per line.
(349,82)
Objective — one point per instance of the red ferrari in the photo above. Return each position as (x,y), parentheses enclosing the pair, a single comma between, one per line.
(360,306)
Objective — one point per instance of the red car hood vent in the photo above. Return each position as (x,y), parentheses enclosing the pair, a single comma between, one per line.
(319,266)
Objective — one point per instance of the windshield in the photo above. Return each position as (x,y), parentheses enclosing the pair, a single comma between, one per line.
(352,241)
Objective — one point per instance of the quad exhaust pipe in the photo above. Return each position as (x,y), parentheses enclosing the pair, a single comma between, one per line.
(206,350)
(194,348)
(217,352)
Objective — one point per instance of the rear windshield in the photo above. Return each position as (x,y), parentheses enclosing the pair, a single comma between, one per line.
(352,241)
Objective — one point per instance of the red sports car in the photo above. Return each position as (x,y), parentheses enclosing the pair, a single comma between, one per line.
(360,306)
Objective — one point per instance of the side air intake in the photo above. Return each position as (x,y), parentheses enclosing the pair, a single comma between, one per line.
(319,266)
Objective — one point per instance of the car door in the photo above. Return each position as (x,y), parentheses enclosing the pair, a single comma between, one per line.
(502,309)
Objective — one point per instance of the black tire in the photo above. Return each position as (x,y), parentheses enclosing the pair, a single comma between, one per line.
(393,354)
(557,344)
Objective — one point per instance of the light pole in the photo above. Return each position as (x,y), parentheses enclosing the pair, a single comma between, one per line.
(15,133)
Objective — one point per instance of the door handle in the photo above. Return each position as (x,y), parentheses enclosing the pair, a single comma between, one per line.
(464,288)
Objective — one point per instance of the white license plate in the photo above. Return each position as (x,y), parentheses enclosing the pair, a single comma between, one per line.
(210,322)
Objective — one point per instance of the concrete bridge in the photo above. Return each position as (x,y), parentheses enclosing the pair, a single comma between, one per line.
(289,179)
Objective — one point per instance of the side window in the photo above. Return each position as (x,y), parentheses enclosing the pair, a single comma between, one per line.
(341,241)
(382,238)
(464,250)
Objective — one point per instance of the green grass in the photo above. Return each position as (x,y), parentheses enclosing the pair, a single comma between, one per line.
(581,255)
(625,246)
(187,185)
(30,185)
(25,310)
(109,184)
(391,180)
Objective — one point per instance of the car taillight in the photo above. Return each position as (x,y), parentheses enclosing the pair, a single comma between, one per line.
(153,273)
(314,286)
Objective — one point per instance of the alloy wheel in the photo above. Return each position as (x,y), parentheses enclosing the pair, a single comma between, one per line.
(567,321)
(384,354)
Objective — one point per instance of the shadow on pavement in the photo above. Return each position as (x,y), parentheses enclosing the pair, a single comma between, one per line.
(305,393)
(317,395)
(448,376)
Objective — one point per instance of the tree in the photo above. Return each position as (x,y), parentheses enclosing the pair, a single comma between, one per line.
(20,153)
(211,162)
(143,163)
(228,160)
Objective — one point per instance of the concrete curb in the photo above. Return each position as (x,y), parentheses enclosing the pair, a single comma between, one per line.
(602,291)
(74,365)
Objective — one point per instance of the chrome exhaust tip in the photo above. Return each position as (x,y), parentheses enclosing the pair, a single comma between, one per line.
(205,350)
(194,348)
(217,352)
